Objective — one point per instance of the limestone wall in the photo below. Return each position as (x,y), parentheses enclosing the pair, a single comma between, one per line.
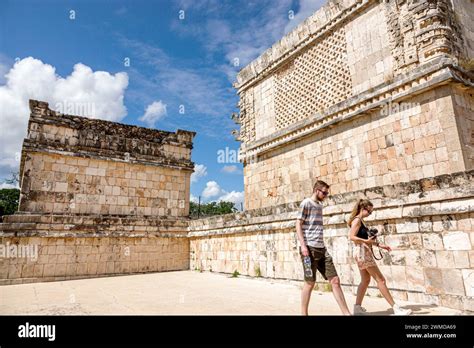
(426,135)
(465,17)
(432,238)
(464,110)
(65,258)
(97,199)
(362,93)
(73,164)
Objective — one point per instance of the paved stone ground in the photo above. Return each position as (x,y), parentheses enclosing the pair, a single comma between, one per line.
(180,293)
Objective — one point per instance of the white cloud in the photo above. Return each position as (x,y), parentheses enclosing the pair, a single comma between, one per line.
(200,170)
(262,24)
(200,88)
(193,198)
(235,197)
(3,71)
(212,189)
(259,25)
(96,94)
(232,169)
(153,113)
(4,185)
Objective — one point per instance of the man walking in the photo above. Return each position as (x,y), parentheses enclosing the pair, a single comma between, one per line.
(309,229)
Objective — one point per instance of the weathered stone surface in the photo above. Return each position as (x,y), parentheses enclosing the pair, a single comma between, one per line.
(468,278)
(456,241)
(461,259)
(97,198)
(453,282)
(432,241)
(434,281)
(78,165)
(444,259)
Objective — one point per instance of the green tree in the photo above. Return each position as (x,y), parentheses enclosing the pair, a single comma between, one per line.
(211,208)
(9,199)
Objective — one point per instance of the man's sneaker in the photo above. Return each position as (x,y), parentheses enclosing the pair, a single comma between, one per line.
(397,310)
(359,310)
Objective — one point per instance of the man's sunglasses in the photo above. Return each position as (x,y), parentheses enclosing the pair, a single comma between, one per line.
(325,193)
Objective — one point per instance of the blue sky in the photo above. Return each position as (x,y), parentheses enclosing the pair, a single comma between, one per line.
(143,64)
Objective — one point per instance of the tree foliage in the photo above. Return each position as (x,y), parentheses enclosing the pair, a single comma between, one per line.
(211,208)
(9,199)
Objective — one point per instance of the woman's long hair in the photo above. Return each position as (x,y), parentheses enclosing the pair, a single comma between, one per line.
(361,204)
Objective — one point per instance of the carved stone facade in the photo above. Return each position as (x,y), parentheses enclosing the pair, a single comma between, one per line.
(422,30)
(377,99)
(362,93)
(74,164)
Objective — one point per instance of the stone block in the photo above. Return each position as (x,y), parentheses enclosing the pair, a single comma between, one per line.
(434,281)
(468,279)
(415,278)
(432,241)
(445,259)
(453,281)
(456,241)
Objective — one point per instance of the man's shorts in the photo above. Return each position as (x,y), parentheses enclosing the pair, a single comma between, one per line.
(321,261)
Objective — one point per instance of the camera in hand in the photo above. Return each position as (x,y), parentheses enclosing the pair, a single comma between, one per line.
(366,233)
(372,232)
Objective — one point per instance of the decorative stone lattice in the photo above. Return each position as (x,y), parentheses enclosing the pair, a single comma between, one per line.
(314,80)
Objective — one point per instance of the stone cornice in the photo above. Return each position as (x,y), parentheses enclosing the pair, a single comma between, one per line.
(104,140)
(437,72)
(41,113)
(313,28)
(76,225)
(108,155)
(287,223)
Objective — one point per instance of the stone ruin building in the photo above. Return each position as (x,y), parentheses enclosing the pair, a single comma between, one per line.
(98,198)
(376,99)
(373,97)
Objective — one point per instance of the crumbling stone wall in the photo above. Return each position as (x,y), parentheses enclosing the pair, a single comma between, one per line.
(97,198)
(73,164)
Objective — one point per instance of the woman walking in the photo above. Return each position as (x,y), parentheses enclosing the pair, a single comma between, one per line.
(359,235)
